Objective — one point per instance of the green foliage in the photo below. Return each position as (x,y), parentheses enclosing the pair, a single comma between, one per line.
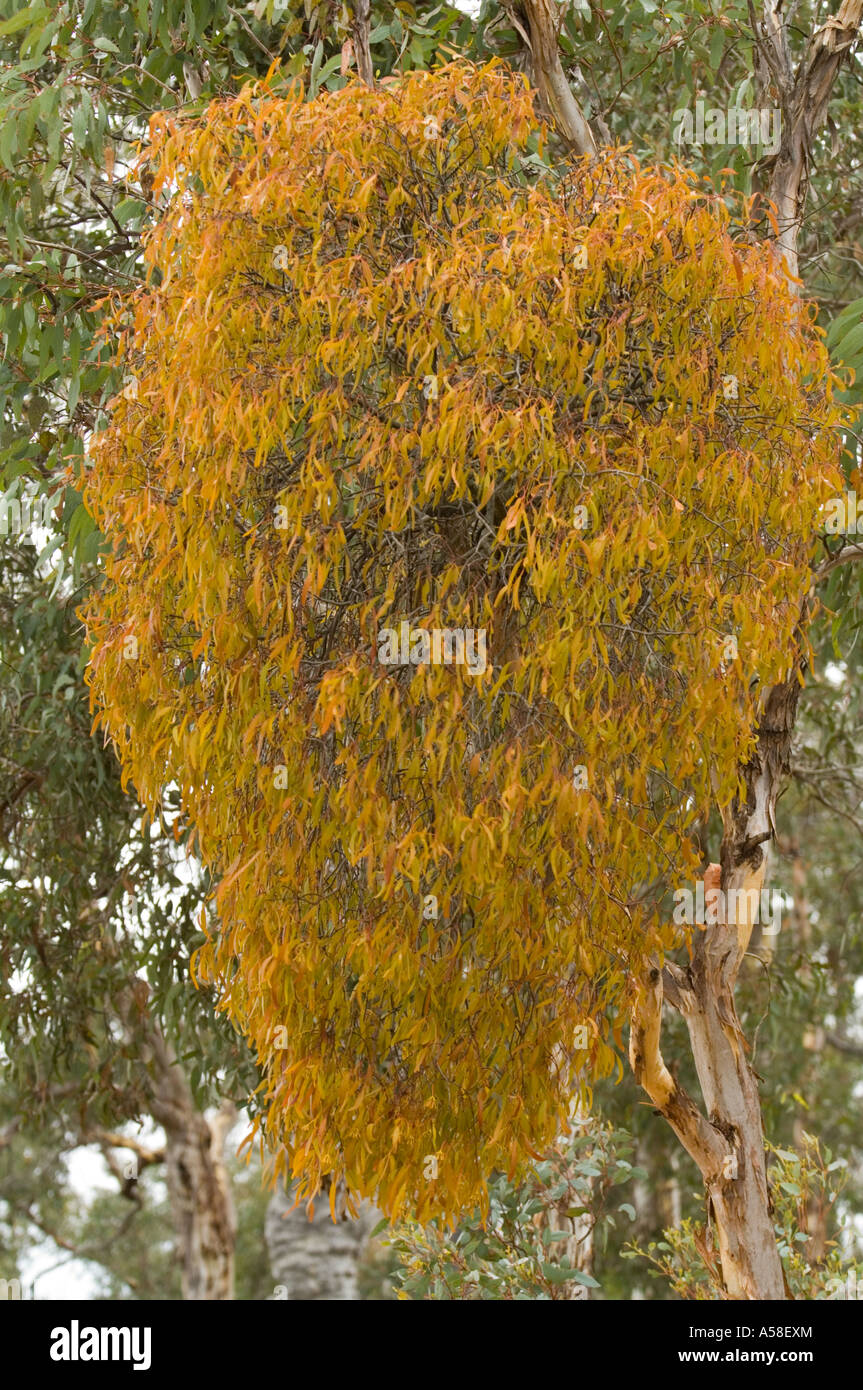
(539,1235)
(688,1258)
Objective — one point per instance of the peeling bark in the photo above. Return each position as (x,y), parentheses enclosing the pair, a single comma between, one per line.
(198,1184)
(803,99)
(361,30)
(728,1143)
(544,20)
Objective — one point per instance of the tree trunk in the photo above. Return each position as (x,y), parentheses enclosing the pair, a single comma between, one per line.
(803,96)
(544,18)
(727,1144)
(361,29)
(315,1258)
(738,1193)
(201,1202)
(199,1188)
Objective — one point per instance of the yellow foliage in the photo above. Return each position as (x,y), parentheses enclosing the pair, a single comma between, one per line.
(380,370)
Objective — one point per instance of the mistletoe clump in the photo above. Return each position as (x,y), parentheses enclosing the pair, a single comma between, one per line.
(454,507)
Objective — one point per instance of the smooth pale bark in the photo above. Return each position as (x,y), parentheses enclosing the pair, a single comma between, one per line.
(544,19)
(728,1143)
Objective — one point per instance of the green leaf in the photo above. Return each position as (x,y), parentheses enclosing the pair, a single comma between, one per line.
(9,141)
(850,345)
(23,18)
(852,313)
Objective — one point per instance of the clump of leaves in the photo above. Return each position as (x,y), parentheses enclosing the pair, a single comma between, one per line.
(379,377)
(804,1186)
(540,1236)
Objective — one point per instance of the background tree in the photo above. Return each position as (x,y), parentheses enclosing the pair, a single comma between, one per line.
(98,920)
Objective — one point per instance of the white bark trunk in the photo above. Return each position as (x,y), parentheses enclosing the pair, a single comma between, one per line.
(318,1259)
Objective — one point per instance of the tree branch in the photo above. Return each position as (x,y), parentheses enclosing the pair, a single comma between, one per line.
(112,1140)
(842,557)
(361,29)
(804,97)
(550,78)
(841,1044)
(701,1140)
